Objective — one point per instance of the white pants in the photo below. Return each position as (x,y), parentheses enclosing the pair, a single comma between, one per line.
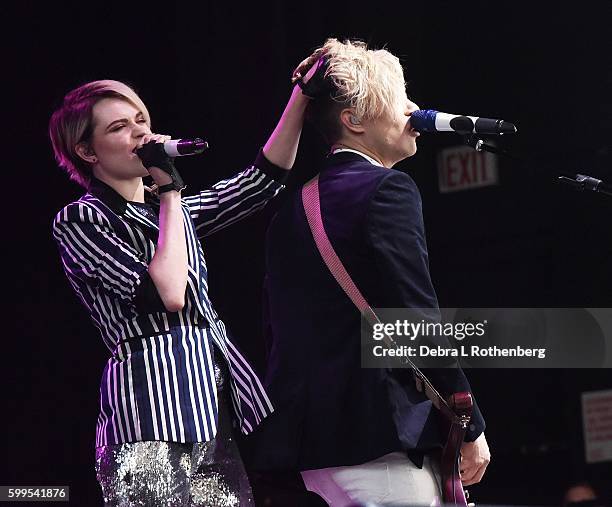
(393,478)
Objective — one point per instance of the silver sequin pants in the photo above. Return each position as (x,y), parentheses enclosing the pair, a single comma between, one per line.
(169,474)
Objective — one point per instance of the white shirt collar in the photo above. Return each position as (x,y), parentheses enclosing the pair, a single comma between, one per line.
(368,158)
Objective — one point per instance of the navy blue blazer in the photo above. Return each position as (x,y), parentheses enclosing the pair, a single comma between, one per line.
(329,410)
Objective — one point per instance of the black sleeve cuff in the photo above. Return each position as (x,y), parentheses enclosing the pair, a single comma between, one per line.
(453,380)
(477,424)
(275,172)
(146,298)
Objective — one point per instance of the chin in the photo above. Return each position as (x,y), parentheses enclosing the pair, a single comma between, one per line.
(412,148)
(410,151)
(141,170)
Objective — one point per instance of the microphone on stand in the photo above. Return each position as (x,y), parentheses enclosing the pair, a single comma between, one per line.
(428,120)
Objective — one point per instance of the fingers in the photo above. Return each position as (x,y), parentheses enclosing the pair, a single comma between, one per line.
(468,469)
(301,69)
(480,473)
(475,457)
(474,474)
(467,474)
(473,471)
(311,71)
(306,65)
(158,138)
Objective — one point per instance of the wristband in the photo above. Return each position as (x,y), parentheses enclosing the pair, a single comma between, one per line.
(169,187)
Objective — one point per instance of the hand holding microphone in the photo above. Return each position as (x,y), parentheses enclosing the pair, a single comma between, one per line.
(158,152)
(153,155)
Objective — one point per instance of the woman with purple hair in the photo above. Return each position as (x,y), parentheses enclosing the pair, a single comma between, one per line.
(175,379)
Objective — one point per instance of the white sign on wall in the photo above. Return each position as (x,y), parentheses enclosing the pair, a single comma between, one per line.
(597,425)
(462,168)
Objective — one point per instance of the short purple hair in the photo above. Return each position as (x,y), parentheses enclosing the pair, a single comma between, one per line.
(72,123)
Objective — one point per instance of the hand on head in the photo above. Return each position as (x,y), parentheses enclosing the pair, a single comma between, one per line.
(307,67)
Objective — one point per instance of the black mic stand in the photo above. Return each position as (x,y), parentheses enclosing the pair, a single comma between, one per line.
(584,182)
(479,145)
(578,181)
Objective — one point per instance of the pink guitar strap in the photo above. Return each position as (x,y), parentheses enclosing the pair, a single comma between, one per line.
(312,207)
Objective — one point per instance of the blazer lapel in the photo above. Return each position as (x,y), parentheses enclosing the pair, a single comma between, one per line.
(133,213)
(138,219)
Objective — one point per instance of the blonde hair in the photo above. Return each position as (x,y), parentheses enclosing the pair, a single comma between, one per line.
(72,123)
(370,81)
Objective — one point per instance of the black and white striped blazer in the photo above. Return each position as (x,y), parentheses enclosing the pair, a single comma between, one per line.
(159,381)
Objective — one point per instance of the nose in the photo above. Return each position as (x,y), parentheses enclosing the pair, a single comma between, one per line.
(411,107)
(140,129)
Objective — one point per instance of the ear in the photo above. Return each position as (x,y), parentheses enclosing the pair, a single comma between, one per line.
(350,121)
(84,151)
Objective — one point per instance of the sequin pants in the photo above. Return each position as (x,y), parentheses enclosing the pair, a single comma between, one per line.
(160,474)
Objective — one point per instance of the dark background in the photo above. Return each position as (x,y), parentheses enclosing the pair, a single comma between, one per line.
(221,70)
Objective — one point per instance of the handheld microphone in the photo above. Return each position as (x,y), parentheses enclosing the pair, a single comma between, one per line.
(183,147)
(428,120)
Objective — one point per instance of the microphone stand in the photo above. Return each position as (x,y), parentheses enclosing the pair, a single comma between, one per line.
(585,182)
(479,145)
(578,182)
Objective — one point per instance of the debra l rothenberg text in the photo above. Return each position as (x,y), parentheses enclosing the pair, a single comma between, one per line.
(461,351)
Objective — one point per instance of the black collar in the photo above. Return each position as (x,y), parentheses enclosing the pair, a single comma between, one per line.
(113,199)
(344,157)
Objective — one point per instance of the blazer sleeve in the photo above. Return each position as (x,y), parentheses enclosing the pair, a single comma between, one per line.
(94,257)
(235,198)
(396,233)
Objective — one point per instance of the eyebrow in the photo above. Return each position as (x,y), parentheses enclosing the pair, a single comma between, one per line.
(139,114)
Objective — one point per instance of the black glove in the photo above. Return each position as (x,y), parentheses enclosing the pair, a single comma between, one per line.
(318,85)
(152,154)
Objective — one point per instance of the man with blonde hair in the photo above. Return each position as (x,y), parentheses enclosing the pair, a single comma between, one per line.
(336,422)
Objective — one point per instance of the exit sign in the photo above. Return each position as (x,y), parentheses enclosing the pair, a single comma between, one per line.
(462,168)
(597,425)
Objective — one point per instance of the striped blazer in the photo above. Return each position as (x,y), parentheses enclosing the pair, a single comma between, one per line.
(159,382)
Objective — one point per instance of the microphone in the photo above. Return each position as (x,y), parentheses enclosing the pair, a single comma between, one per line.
(183,147)
(428,120)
